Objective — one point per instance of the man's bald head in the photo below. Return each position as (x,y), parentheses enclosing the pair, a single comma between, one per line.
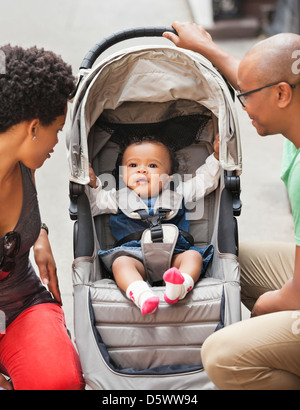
(274,59)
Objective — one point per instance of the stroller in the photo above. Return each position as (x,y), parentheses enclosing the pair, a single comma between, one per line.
(177,93)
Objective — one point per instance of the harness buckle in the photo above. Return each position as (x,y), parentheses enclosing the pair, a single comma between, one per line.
(154,222)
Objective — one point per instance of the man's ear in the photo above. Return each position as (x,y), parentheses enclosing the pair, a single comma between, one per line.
(284,94)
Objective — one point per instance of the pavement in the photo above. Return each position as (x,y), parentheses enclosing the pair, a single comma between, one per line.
(70,28)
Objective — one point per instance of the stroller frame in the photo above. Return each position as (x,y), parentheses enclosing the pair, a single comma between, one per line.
(95,292)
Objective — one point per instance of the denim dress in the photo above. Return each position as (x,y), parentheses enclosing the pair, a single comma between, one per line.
(122,226)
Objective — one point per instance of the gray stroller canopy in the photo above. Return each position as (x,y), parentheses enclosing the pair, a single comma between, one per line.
(139,85)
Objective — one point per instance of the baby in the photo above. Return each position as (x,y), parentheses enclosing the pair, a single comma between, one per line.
(147,168)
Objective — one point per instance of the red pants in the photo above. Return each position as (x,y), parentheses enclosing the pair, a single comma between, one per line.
(37,353)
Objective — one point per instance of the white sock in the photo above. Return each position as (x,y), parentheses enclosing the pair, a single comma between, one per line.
(177,285)
(187,285)
(141,294)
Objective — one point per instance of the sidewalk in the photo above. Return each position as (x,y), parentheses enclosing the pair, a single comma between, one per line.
(71,28)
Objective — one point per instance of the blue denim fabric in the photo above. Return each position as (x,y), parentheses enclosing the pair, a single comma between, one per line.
(122,226)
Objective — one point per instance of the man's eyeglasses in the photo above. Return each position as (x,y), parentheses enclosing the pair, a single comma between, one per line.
(243,96)
(11,247)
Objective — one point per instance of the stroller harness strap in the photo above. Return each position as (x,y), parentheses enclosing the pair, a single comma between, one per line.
(158,243)
(154,222)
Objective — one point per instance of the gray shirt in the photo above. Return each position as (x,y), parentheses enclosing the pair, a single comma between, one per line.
(22,288)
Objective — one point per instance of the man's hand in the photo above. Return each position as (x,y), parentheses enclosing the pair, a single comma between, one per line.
(287,298)
(265,304)
(196,38)
(190,36)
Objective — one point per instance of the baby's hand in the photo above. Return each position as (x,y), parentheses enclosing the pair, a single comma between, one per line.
(217,146)
(93,178)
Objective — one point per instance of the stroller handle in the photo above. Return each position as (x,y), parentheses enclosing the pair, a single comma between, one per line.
(115,38)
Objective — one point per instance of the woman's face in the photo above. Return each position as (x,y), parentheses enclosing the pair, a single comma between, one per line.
(42,142)
(146,168)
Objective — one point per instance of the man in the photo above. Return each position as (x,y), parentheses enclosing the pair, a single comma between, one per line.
(262,352)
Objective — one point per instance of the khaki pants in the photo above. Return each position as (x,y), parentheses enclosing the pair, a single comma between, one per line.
(262,353)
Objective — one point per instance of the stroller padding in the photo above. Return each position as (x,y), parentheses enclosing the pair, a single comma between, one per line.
(173,336)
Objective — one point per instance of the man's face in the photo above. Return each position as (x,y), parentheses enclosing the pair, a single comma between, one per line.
(259,105)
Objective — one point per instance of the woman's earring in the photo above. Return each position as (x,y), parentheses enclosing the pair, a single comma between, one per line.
(34,138)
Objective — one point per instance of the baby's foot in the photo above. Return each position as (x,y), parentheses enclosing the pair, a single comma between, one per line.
(150,305)
(141,294)
(174,280)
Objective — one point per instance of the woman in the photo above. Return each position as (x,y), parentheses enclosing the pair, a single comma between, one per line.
(35,350)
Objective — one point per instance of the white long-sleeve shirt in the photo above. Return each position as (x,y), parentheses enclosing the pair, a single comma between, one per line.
(190,189)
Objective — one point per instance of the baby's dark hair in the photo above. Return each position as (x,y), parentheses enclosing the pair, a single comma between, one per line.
(34,83)
(140,140)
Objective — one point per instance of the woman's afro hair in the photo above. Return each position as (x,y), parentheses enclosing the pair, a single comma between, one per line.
(34,83)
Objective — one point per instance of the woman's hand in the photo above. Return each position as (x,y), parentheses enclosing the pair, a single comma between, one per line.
(217,146)
(47,267)
(5,384)
(93,177)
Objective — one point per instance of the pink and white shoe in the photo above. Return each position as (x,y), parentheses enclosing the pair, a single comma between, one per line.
(141,294)
(174,281)
(150,305)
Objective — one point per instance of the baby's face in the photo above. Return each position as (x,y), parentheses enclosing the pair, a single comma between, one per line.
(146,168)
